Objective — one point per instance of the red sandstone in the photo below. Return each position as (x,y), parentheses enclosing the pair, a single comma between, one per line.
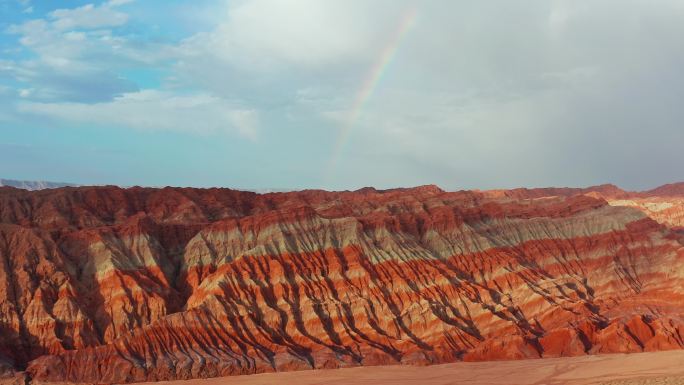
(102,284)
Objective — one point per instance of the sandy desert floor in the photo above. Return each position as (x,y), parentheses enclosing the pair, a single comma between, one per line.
(666,368)
(649,381)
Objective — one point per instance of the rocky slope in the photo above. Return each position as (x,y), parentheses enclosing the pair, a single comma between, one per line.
(102,284)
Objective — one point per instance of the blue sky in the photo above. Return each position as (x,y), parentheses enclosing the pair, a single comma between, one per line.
(342,94)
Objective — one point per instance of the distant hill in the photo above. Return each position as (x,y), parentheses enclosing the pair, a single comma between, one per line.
(32,185)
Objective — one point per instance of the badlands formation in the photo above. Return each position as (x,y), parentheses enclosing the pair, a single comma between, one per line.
(103,284)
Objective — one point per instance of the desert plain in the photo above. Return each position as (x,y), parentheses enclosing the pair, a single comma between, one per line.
(653,368)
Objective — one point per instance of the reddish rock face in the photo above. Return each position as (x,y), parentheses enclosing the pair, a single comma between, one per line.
(104,284)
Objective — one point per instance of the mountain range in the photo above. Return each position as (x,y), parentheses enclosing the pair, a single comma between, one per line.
(106,284)
(33,185)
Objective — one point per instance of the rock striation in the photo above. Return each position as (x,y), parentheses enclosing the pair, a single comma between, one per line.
(103,284)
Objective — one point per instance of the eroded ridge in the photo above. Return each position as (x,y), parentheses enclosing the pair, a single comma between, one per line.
(119,285)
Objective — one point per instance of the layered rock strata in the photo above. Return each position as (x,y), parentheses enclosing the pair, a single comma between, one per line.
(102,284)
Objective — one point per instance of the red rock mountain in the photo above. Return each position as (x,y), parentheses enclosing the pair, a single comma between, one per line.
(103,284)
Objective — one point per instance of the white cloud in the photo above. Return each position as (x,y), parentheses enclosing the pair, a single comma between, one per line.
(302,38)
(152,110)
(246,122)
(496,93)
(263,34)
(77,57)
(88,16)
(116,3)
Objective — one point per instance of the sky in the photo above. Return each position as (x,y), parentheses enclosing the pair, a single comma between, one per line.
(342,94)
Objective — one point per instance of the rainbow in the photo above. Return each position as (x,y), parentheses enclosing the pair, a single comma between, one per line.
(370,84)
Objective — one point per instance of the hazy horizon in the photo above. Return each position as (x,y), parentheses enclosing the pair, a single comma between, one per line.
(59,184)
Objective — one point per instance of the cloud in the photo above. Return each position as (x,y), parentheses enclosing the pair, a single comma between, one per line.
(507,94)
(76,79)
(264,34)
(246,122)
(477,94)
(116,3)
(76,57)
(88,16)
(267,50)
(59,79)
(70,66)
(151,110)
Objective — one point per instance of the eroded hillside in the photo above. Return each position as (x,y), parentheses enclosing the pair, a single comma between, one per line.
(102,284)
